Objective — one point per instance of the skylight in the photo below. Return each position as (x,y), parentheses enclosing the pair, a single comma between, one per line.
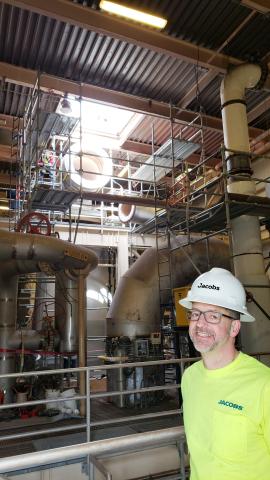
(108,126)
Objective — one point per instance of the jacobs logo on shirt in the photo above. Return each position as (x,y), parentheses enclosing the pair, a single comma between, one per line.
(230,405)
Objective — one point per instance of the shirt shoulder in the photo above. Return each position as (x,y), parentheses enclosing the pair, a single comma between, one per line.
(254,366)
(191,372)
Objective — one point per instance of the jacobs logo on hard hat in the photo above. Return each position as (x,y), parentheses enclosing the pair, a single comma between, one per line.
(219,287)
(214,287)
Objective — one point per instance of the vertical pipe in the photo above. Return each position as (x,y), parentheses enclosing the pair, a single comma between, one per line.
(66,311)
(88,407)
(82,338)
(8,313)
(246,236)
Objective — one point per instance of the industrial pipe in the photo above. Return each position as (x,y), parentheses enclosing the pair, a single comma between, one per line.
(82,334)
(246,237)
(132,213)
(24,253)
(112,446)
(135,309)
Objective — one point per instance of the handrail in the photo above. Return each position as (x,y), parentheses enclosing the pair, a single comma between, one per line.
(97,448)
(37,373)
(87,425)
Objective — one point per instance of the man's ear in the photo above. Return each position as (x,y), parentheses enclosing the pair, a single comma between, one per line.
(235,327)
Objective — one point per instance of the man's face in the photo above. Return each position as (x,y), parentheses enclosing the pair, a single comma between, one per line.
(207,337)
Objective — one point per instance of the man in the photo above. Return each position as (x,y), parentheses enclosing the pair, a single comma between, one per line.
(226,395)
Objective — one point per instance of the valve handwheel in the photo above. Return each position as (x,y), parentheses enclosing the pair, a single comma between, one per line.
(34,222)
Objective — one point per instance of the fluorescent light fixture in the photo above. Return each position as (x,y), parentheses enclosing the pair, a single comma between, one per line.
(132,14)
(4,207)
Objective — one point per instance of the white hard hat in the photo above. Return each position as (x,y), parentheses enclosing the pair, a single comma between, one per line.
(219,287)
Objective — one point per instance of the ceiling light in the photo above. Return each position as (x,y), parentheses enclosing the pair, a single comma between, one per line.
(65,107)
(133,14)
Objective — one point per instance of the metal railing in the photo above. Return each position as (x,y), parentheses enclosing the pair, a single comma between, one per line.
(93,450)
(87,396)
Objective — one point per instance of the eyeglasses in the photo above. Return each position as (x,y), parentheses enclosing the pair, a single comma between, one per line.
(210,316)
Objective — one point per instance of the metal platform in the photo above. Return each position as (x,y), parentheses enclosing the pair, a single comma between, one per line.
(160,220)
(214,218)
(52,200)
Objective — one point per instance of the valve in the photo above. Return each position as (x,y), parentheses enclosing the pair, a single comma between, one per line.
(34,222)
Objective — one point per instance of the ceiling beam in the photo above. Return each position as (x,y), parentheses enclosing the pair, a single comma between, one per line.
(202,83)
(6,121)
(5,153)
(207,77)
(257,111)
(104,24)
(261,6)
(6,179)
(27,77)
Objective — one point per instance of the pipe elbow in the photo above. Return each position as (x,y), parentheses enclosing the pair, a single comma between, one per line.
(235,82)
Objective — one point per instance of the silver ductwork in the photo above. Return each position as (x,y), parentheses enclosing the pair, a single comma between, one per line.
(25,253)
(133,213)
(135,309)
(247,246)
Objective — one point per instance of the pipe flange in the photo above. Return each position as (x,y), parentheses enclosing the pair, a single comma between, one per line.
(239,163)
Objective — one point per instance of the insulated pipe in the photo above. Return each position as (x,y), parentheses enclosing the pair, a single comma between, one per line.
(246,237)
(70,318)
(135,307)
(132,213)
(39,248)
(81,312)
(42,294)
(66,311)
(25,253)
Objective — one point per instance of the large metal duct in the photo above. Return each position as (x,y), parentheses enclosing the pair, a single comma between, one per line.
(89,167)
(247,247)
(24,253)
(134,213)
(135,309)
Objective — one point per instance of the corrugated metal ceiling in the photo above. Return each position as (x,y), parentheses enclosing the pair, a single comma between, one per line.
(41,43)
(72,52)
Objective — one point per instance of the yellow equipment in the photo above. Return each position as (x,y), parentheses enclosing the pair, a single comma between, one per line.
(180,312)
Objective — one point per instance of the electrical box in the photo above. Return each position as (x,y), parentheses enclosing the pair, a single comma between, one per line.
(180,312)
(155,338)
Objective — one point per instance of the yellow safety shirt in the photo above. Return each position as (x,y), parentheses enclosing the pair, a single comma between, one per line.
(227,420)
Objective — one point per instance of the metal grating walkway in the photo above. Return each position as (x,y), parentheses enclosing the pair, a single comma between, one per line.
(214,218)
(52,200)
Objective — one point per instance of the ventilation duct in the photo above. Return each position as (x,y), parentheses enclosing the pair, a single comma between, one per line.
(132,213)
(91,169)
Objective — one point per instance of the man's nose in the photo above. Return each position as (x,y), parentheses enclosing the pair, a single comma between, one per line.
(201,320)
